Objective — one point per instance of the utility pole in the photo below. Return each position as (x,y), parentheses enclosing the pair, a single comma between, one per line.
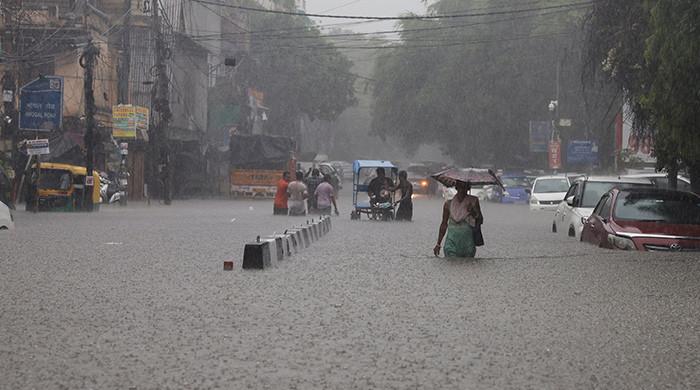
(161,104)
(87,62)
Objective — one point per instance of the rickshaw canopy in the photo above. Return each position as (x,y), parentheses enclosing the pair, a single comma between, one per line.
(359,164)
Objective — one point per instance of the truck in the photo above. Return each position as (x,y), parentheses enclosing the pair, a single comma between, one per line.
(257,163)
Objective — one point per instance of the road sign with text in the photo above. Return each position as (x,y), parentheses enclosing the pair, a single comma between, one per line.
(41,104)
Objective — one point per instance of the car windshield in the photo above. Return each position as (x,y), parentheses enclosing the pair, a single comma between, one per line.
(551,185)
(595,189)
(515,182)
(674,207)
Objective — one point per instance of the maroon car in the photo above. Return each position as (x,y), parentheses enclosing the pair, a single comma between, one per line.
(646,220)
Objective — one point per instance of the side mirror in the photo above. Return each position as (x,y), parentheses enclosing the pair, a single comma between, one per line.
(528,191)
(584,220)
(570,201)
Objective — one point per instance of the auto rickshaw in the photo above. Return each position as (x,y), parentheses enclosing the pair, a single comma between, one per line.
(363,173)
(61,187)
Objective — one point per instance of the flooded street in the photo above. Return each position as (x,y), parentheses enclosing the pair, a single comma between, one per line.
(136,297)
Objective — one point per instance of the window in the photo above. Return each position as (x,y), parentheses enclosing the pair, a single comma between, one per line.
(674,207)
(605,209)
(550,186)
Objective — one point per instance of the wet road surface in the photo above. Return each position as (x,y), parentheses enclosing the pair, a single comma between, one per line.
(136,297)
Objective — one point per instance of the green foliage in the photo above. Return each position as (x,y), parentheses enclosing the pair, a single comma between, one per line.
(651,50)
(298,71)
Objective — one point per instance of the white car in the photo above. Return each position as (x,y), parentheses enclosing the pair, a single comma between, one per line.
(582,197)
(660,180)
(548,191)
(6,219)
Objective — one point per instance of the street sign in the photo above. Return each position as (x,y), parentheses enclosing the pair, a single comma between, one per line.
(540,133)
(36,147)
(565,122)
(582,152)
(41,104)
(7,96)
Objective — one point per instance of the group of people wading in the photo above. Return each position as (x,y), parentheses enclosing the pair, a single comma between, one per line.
(314,191)
(461,216)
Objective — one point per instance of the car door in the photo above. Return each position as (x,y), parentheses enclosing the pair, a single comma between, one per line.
(564,210)
(599,219)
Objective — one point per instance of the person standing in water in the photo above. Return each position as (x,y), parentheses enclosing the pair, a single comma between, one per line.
(405,211)
(280,206)
(460,216)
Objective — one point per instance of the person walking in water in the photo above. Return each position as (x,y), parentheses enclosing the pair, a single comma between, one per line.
(297,195)
(280,206)
(405,211)
(325,196)
(460,217)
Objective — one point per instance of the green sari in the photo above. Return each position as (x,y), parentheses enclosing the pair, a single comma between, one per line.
(460,240)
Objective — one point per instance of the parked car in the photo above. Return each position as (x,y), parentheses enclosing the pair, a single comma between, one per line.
(660,180)
(582,197)
(516,189)
(548,192)
(7,221)
(645,220)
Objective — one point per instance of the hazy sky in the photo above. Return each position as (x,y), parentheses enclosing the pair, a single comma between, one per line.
(364,7)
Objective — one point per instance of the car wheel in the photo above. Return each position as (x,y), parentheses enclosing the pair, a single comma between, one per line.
(554,227)
(572,232)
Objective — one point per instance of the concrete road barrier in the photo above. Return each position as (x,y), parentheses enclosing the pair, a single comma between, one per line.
(276,247)
(256,255)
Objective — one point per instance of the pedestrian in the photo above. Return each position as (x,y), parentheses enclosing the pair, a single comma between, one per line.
(280,206)
(297,193)
(325,196)
(461,219)
(405,211)
(312,181)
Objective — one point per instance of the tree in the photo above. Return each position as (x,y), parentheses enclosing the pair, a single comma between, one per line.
(298,71)
(650,50)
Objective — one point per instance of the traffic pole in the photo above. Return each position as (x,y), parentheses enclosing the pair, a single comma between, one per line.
(87,62)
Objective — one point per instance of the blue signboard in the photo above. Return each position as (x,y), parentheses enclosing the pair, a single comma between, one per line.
(540,134)
(582,152)
(41,104)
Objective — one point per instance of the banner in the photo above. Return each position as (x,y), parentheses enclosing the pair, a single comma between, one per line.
(554,152)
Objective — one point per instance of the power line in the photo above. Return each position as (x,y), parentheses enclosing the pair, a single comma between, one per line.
(411,17)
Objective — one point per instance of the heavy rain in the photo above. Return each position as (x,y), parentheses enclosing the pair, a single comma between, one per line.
(336,194)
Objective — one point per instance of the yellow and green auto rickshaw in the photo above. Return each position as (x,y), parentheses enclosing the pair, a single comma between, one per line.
(61,187)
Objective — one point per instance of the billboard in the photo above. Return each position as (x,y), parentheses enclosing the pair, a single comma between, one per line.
(582,152)
(128,120)
(554,152)
(540,134)
(634,145)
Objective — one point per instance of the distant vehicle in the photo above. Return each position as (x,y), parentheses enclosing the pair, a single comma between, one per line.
(516,189)
(419,176)
(646,220)
(582,197)
(660,180)
(548,192)
(7,221)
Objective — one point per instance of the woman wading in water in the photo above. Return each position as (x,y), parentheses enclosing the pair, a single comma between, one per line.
(460,217)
